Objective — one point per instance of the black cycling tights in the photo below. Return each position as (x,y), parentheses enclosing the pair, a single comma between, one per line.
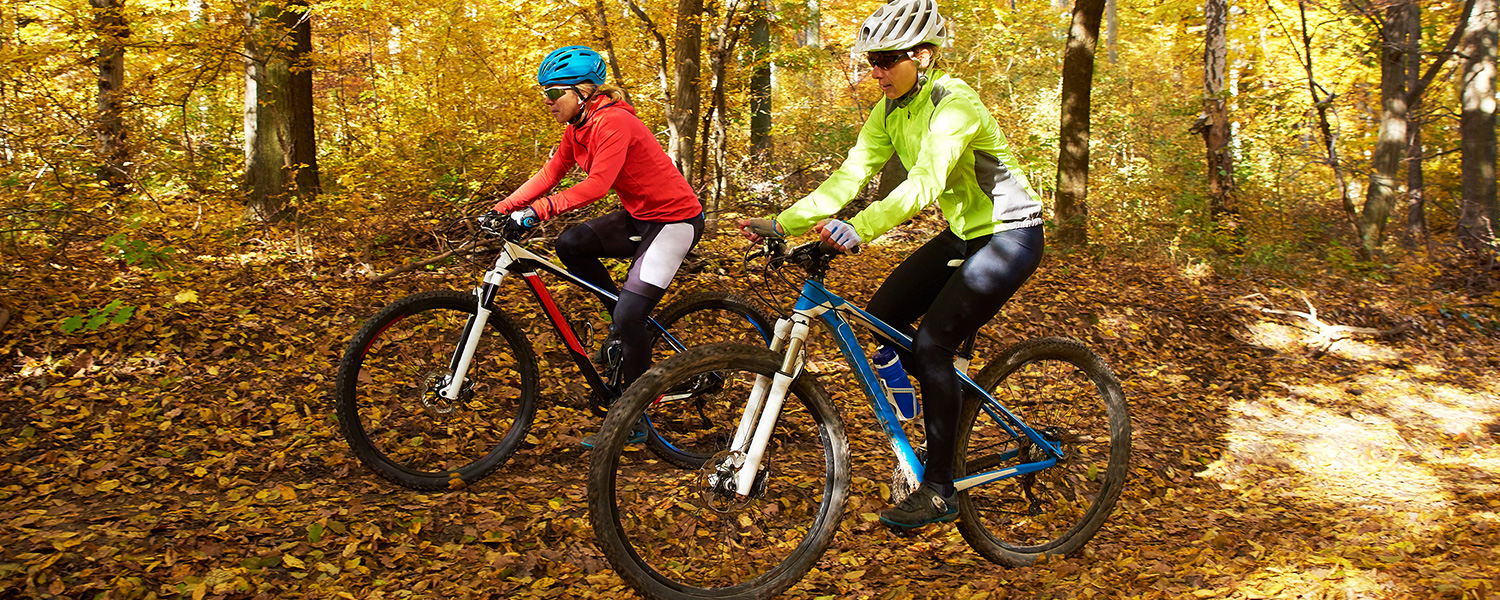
(957,300)
(658,250)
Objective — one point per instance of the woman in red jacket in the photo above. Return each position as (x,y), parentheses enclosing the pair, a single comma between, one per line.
(661,219)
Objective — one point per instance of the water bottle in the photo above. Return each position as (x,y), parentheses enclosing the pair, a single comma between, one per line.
(897,385)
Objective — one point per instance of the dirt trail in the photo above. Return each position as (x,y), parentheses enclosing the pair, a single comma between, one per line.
(190,452)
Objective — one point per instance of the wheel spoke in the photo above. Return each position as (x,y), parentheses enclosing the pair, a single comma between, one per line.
(1068,395)
(388,393)
(666,527)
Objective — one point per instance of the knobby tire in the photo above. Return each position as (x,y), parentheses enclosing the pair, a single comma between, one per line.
(1060,386)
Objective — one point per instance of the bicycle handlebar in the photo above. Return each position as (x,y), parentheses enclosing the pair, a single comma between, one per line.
(501,228)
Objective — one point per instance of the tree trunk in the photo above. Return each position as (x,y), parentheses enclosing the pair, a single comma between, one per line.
(1073,154)
(683,122)
(726,36)
(661,55)
(1391,142)
(609,46)
(760,81)
(304,131)
(114,157)
(280,155)
(1112,29)
(1415,88)
(1216,129)
(716,136)
(1479,213)
(1321,105)
(1416,214)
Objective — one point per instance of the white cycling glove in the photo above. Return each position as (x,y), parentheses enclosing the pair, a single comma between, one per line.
(525,218)
(842,234)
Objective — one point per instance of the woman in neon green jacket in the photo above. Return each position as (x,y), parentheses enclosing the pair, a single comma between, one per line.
(954,154)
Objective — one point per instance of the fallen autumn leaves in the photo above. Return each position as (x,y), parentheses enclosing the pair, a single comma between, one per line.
(191,452)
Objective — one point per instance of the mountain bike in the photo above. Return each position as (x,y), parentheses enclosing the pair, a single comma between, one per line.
(1041,454)
(438,389)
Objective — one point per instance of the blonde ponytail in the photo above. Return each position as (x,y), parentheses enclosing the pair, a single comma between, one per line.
(613,91)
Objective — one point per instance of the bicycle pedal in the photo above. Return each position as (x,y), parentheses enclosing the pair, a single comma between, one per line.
(900,532)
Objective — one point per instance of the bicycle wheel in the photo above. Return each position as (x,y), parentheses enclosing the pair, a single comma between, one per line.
(1068,394)
(677,534)
(390,412)
(688,428)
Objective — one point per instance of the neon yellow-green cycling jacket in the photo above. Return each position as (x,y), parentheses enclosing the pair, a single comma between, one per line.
(953,152)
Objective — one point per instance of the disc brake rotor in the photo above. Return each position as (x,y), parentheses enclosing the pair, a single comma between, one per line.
(717,482)
(432,400)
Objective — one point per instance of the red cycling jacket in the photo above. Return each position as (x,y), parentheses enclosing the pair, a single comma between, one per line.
(617,152)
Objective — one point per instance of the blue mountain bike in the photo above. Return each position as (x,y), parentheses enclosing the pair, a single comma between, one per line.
(1041,455)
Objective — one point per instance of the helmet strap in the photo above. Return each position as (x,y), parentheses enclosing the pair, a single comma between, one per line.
(912,93)
(583,105)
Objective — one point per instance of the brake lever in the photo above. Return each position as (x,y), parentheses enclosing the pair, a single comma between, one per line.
(772,248)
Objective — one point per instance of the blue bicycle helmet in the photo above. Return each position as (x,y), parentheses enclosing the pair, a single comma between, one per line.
(570,65)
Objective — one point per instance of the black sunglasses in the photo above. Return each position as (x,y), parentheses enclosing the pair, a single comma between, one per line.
(887,59)
(554,94)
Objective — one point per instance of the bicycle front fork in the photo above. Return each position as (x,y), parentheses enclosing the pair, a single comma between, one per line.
(463,355)
(766,397)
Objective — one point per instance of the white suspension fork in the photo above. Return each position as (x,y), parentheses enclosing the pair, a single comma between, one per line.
(493,277)
(766,400)
(758,391)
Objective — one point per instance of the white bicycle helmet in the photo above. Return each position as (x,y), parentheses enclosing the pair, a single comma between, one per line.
(900,25)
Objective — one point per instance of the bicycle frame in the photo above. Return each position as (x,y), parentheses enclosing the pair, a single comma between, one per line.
(766,397)
(515,258)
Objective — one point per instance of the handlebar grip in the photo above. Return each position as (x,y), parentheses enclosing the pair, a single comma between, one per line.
(832,249)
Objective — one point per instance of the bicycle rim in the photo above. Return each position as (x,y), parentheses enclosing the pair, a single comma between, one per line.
(671,535)
(1067,393)
(391,414)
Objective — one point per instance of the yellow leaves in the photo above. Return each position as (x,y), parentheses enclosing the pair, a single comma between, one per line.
(186,297)
(279,493)
(543,583)
(265,409)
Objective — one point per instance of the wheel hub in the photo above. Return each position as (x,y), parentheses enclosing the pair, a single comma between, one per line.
(433,401)
(718,476)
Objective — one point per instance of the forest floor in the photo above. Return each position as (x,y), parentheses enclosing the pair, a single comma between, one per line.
(191,450)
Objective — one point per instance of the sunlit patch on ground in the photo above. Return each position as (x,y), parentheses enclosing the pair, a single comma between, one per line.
(1277,336)
(1196,271)
(1291,339)
(1360,350)
(1379,440)
(1354,458)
